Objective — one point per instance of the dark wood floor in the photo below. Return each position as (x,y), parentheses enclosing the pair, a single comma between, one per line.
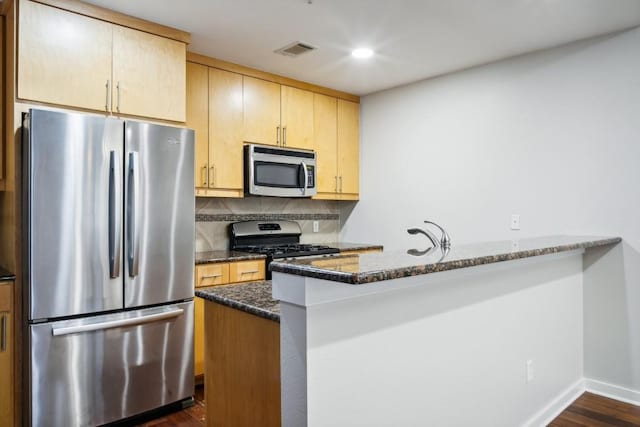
(592,410)
(588,410)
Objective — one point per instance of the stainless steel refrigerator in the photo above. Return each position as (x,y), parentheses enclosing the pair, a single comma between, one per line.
(108,268)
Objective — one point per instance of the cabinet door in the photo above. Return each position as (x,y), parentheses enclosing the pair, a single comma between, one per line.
(198,336)
(149,75)
(6,350)
(246,271)
(326,143)
(212,274)
(225,132)
(297,117)
(63,58)
(198,118)
(261,101)
(348,149)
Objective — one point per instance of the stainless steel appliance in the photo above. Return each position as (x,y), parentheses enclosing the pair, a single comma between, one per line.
(275,239)
(108,268)
(272,171)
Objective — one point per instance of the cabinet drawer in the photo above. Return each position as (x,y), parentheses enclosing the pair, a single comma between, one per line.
(212,274)
(5,296)
(246,271)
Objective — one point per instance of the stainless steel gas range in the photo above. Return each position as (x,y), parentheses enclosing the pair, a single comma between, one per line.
(276,239)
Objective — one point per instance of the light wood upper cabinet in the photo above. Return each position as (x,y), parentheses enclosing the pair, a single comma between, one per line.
(277,114)
(336,128)
(148,75)
(325,128)
(198,118)
(214,110)
(348,149)
(261,101)
(64,58)
(297,118)
(225,132)
(6,354)
(72,60)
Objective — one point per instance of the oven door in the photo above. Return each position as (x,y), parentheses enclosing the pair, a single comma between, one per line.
(277,172)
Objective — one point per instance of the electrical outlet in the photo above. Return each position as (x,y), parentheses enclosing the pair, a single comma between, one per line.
(515,222)
(530,373)
(316,226)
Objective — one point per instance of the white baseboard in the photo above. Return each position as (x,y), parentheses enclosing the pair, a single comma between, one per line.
(613,391)
(544,416)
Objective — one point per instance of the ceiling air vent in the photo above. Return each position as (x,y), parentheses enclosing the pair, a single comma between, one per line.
(295,49)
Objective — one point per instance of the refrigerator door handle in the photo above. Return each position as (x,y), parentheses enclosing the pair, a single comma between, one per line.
(133,234)
(99,326)
(115,223)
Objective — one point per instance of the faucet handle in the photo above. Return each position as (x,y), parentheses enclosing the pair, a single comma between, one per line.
(445,242)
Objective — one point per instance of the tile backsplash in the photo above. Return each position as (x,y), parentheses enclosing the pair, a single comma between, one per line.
(214,215)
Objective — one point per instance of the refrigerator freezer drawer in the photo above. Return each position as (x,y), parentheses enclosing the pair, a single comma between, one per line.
(91,371)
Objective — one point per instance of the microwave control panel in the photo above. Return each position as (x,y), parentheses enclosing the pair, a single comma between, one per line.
(311,176)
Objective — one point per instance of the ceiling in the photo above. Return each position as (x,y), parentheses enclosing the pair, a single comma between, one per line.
(413,39)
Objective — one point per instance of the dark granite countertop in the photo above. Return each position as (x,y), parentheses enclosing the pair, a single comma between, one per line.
(372,267)
(252,297)
(347,246)
(6,275)
(210,257)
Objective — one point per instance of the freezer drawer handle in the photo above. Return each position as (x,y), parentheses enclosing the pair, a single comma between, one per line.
(117,323)
(115,230)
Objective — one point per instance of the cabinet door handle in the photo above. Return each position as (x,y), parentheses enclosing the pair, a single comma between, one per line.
(3,332)
(212,175)
(210,276)
(341,183)
(277,135)
(204,175)
(249,272)
(336,177)
(106,101)
(284,135)
(118,99)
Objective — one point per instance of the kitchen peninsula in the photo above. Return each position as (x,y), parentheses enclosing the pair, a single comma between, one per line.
(396,339)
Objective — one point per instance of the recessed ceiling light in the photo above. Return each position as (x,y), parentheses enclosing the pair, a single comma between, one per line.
(362,53)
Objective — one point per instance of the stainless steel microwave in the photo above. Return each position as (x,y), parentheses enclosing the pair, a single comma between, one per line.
(279,172)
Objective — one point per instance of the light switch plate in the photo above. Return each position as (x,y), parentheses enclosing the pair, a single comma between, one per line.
(316,226)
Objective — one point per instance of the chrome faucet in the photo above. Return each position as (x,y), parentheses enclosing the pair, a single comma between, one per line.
(429,234)
(445,240)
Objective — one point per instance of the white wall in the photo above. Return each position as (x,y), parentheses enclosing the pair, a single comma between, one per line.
(553,136)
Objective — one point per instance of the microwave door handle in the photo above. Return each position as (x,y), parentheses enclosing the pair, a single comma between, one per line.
(306,177)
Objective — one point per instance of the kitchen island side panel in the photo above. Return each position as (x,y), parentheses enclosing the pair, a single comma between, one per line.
(451,351)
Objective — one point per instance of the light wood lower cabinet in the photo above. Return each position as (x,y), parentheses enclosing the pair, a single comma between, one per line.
(73,60)
(212,275)
(242,380)
(6,354)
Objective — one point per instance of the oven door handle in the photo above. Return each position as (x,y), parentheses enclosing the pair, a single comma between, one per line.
(306,177)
